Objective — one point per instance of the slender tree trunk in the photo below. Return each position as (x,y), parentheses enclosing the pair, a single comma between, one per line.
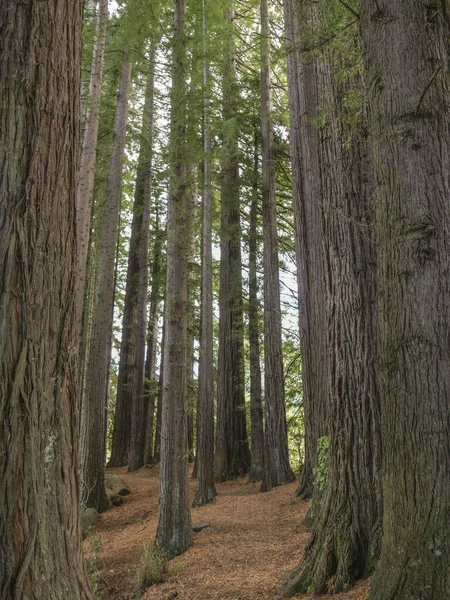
(256,409)
(85,189)
(174,526)
(409,124)
(159,402)
(129,432)
(206,490)
(232,452)
(40,549)
(151,384)
(309,250)
(94,414)
(277,470)
(345,532)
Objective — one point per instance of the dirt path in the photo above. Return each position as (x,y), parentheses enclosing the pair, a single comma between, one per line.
(253,537)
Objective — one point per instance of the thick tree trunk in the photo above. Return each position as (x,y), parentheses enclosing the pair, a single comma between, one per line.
(409,125)
(232,457)
(346,533)
(94,414)
(309,249)
(256,409)
(129,433)
(206,490)
(85,188)
(277,470)
(174,526)
(40,535)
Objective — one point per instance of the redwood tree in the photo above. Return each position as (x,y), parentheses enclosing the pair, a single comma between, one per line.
(93,416)
(232,452)
(406,49)
(174,525)
(40,539)
(277,470)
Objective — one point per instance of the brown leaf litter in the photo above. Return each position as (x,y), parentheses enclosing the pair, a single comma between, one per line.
(252,539)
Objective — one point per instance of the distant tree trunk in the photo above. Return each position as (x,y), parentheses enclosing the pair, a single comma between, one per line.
(40,549)
(151,384)
(277,470)
(232,452)
(345,534)
(406,49)
(85,189)
(309,249)
(206,490)
(159,402)
(174,526)
(94,414)
(256,409)
(129,433)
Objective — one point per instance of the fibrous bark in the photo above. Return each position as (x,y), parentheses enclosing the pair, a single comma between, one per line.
(406,49)
(277,470)
(309,238)
(174,525)
(94,413)
(232,457)
(345,532)
(40,534)
(206,490)
(129,431)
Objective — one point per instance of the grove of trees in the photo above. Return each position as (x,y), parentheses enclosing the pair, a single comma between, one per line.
(225,239)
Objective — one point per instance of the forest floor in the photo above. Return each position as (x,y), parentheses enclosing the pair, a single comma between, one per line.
(252,539)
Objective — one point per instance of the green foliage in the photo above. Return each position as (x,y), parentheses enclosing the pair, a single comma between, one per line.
(321,471)
(92,560)
(153,566)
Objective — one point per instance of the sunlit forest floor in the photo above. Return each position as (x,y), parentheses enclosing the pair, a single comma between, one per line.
(252,539)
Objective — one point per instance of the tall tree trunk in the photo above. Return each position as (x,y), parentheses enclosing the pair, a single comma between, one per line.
(159,403)
(309,250)
(409,125)
(256,409)
(94,414)
(277,470)
(40,549)
(206,490)
(232,452)
(345,532)
(85,188)
(174,526)
(129,433)
(151,384)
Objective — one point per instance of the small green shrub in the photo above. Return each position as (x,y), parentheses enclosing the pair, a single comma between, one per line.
(153,566)
(95,549)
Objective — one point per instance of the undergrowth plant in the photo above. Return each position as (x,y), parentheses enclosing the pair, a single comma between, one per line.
(95,549)
(153,566)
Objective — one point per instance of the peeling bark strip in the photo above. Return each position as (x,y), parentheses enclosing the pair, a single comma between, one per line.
(277,470)
(410,152)
(174,526)
(40,54)
(93,424)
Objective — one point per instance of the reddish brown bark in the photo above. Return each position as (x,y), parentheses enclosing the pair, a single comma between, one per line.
(40,536)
